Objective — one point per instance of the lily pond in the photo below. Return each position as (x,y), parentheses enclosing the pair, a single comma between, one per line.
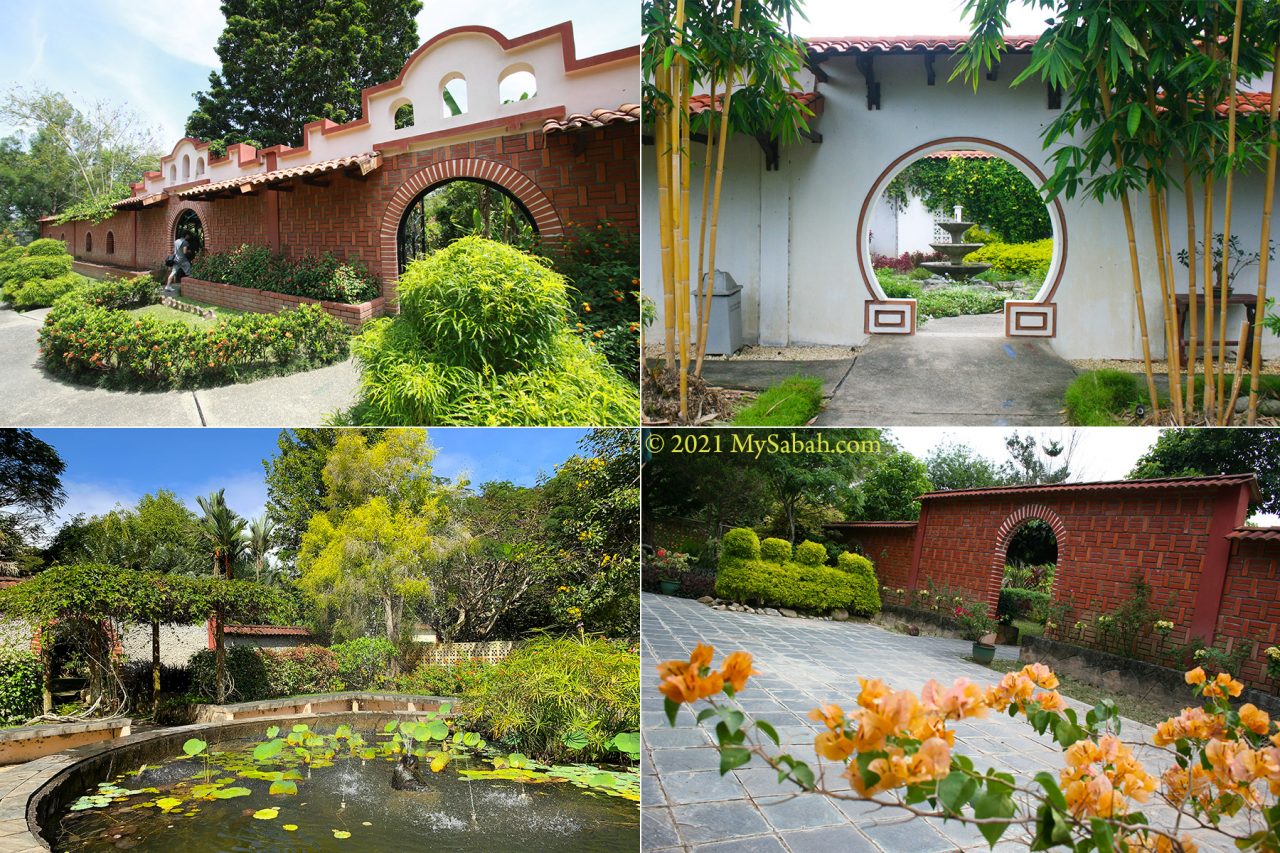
(302,788)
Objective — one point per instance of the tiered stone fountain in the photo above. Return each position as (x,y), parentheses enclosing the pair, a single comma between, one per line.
(956,251)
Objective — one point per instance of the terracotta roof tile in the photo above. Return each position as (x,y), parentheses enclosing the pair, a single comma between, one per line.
(266,631)
(701,103)
(849,525)
(904,44)
(367,163)
(139,201)
(1256,534)
(597,118)
(963,155)
(1110,486)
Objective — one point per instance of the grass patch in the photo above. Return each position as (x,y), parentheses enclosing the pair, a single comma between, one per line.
(1102,397)
(164,312)
(217,309)
(1140,708)
(955,301)
(792,403)
(1028,628)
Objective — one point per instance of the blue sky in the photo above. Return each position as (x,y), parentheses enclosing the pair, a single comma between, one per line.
(106,467)
(153,54)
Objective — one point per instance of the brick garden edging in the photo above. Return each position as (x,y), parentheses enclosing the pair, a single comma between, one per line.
(1124,675)
(266,302)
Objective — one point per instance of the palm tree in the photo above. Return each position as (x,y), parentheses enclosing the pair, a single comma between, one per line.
(261,529)
(224,530)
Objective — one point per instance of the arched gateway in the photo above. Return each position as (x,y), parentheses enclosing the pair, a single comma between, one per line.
(568,153)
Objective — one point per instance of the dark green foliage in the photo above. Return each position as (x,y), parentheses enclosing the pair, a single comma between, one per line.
(88,336)
(364,663)
(793,402)
(889,492)
(1206,452)
(20,679)
(324,277)
(550,688)
(301,670)
(992,191)
(955,301)
(602,266)
(957,466)
(284,65)
(1017,603)
(1102,397)
(245,670)
(809,553)
(482,339)
(1033,544)
(774,580)
(775,550)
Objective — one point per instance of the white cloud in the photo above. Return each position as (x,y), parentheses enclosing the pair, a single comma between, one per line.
(187,31)
(89,499)
(599,26)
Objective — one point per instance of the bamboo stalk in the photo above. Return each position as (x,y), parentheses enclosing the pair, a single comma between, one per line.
(1231,172)
(1210,378)
(662,131)
(1230,407)
(1268,202)
(685,256)
(704,209)
(1134,265)
(715,204)
(1167,301)
(1188,196)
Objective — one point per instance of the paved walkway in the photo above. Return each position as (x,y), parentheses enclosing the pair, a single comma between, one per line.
(689,806)
(31,397)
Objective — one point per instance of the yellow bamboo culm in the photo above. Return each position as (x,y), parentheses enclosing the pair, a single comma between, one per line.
(1223,415)
(1189,196)
(1268,202)
(1166,300)
(1235,386)
(661,129)
(1210,378)
(704,211)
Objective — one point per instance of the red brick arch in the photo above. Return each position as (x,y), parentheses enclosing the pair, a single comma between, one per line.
(1005,534)
(528,193)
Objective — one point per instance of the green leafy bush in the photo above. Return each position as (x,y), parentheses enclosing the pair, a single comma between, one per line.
(1018,603)
(482,338)
(740,543)
(20,680)
(88,335)
(959,301)
(809,553)
(992,191)
(435,679)
(322,277)
(300,670)
(47,247)
(792,403)
(851,586)
(552,690)
(249,679)
(774,550)
(35,276)
(1102,397)
(365,662)
(45,291)
(1020,259)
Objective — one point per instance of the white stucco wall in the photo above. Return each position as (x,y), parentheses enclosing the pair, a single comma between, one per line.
(790,236)
(177,642)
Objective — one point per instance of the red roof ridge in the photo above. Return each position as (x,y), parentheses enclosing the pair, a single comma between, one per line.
(1212,481)
(1256,534)
(905,43)
(268,630)
(902,524)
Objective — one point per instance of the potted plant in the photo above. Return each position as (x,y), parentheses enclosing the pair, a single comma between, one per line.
(670,568)
(977,626)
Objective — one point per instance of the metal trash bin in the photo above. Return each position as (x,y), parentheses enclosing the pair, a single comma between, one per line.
(724,333)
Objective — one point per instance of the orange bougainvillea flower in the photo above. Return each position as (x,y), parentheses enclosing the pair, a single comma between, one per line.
(1196,676)
(962,699)
(737,669)
(1255,719)
(684,681)
(1223,684)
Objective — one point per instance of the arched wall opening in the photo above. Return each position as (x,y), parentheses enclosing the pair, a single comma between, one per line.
(460,207)
(1030,537)
(402,114)
(517,83)
(453,95)
(896,312)
(189,227)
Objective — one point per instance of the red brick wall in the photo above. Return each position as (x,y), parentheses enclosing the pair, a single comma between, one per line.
(889,549)
(265,302)
(1251,605)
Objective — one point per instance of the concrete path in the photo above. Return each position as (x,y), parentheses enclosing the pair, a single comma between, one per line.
(689,806)
(757,375)
(951,377)
(29,396)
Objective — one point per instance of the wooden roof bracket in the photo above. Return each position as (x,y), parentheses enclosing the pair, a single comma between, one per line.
(928,68)
(815,68)
(866,65)
(772,156)
(994,73)
(1055,96)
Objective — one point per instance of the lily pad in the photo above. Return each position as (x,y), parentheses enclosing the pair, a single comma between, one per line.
(168,804)
(231,793)
(194,747)
(290,827)
(283,787)
(266,814)
(341,833)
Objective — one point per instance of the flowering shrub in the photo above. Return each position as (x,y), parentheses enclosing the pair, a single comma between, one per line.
(88,335)
(316,277)
(668,565)
(895,750)
(1273,661)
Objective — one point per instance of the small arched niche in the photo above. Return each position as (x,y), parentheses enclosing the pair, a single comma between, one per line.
(199,166)
(173,174)
(88,242)
(186,167)
(111,242)
(402,114)
(517,83)
(453,95)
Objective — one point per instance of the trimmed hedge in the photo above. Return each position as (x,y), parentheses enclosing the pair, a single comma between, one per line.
(323,277)
(365,662)
(1018,603)
(747,573)
(1018,259)
(89,335)
(810,553)
(35,276)
(45,291)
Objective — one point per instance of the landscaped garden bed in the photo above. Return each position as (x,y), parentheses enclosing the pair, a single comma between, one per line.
(91,336)
(251,299)
(34,276)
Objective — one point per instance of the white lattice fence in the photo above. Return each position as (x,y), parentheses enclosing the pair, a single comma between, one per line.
(449,653)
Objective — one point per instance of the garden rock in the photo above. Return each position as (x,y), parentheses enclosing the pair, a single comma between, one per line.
(706,599)
(771,611)
(840,615)
(787,612)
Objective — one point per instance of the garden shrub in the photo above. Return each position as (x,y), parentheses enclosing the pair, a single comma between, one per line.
(135,675)
(47,247)
(1018,603)
(322,277)
(250,681)
(437,679)
(809,553)
(793,402)
(88,335)
(774,550)
(482,339)
(958,301)
(852,586)
(20,678)
(740,543)
(301,670)
(555,688)
(35,276)
(45,291)
(364,663)
(1018,259)
(1102,397)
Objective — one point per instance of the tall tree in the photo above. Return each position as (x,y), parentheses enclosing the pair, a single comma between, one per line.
(889,492)
(1033,462)
(803,466)
(223,530)
(1205,452)
(959,466)
(30,490)
(260,532)
(288,63)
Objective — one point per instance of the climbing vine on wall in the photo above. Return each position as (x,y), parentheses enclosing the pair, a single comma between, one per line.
(992,191)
